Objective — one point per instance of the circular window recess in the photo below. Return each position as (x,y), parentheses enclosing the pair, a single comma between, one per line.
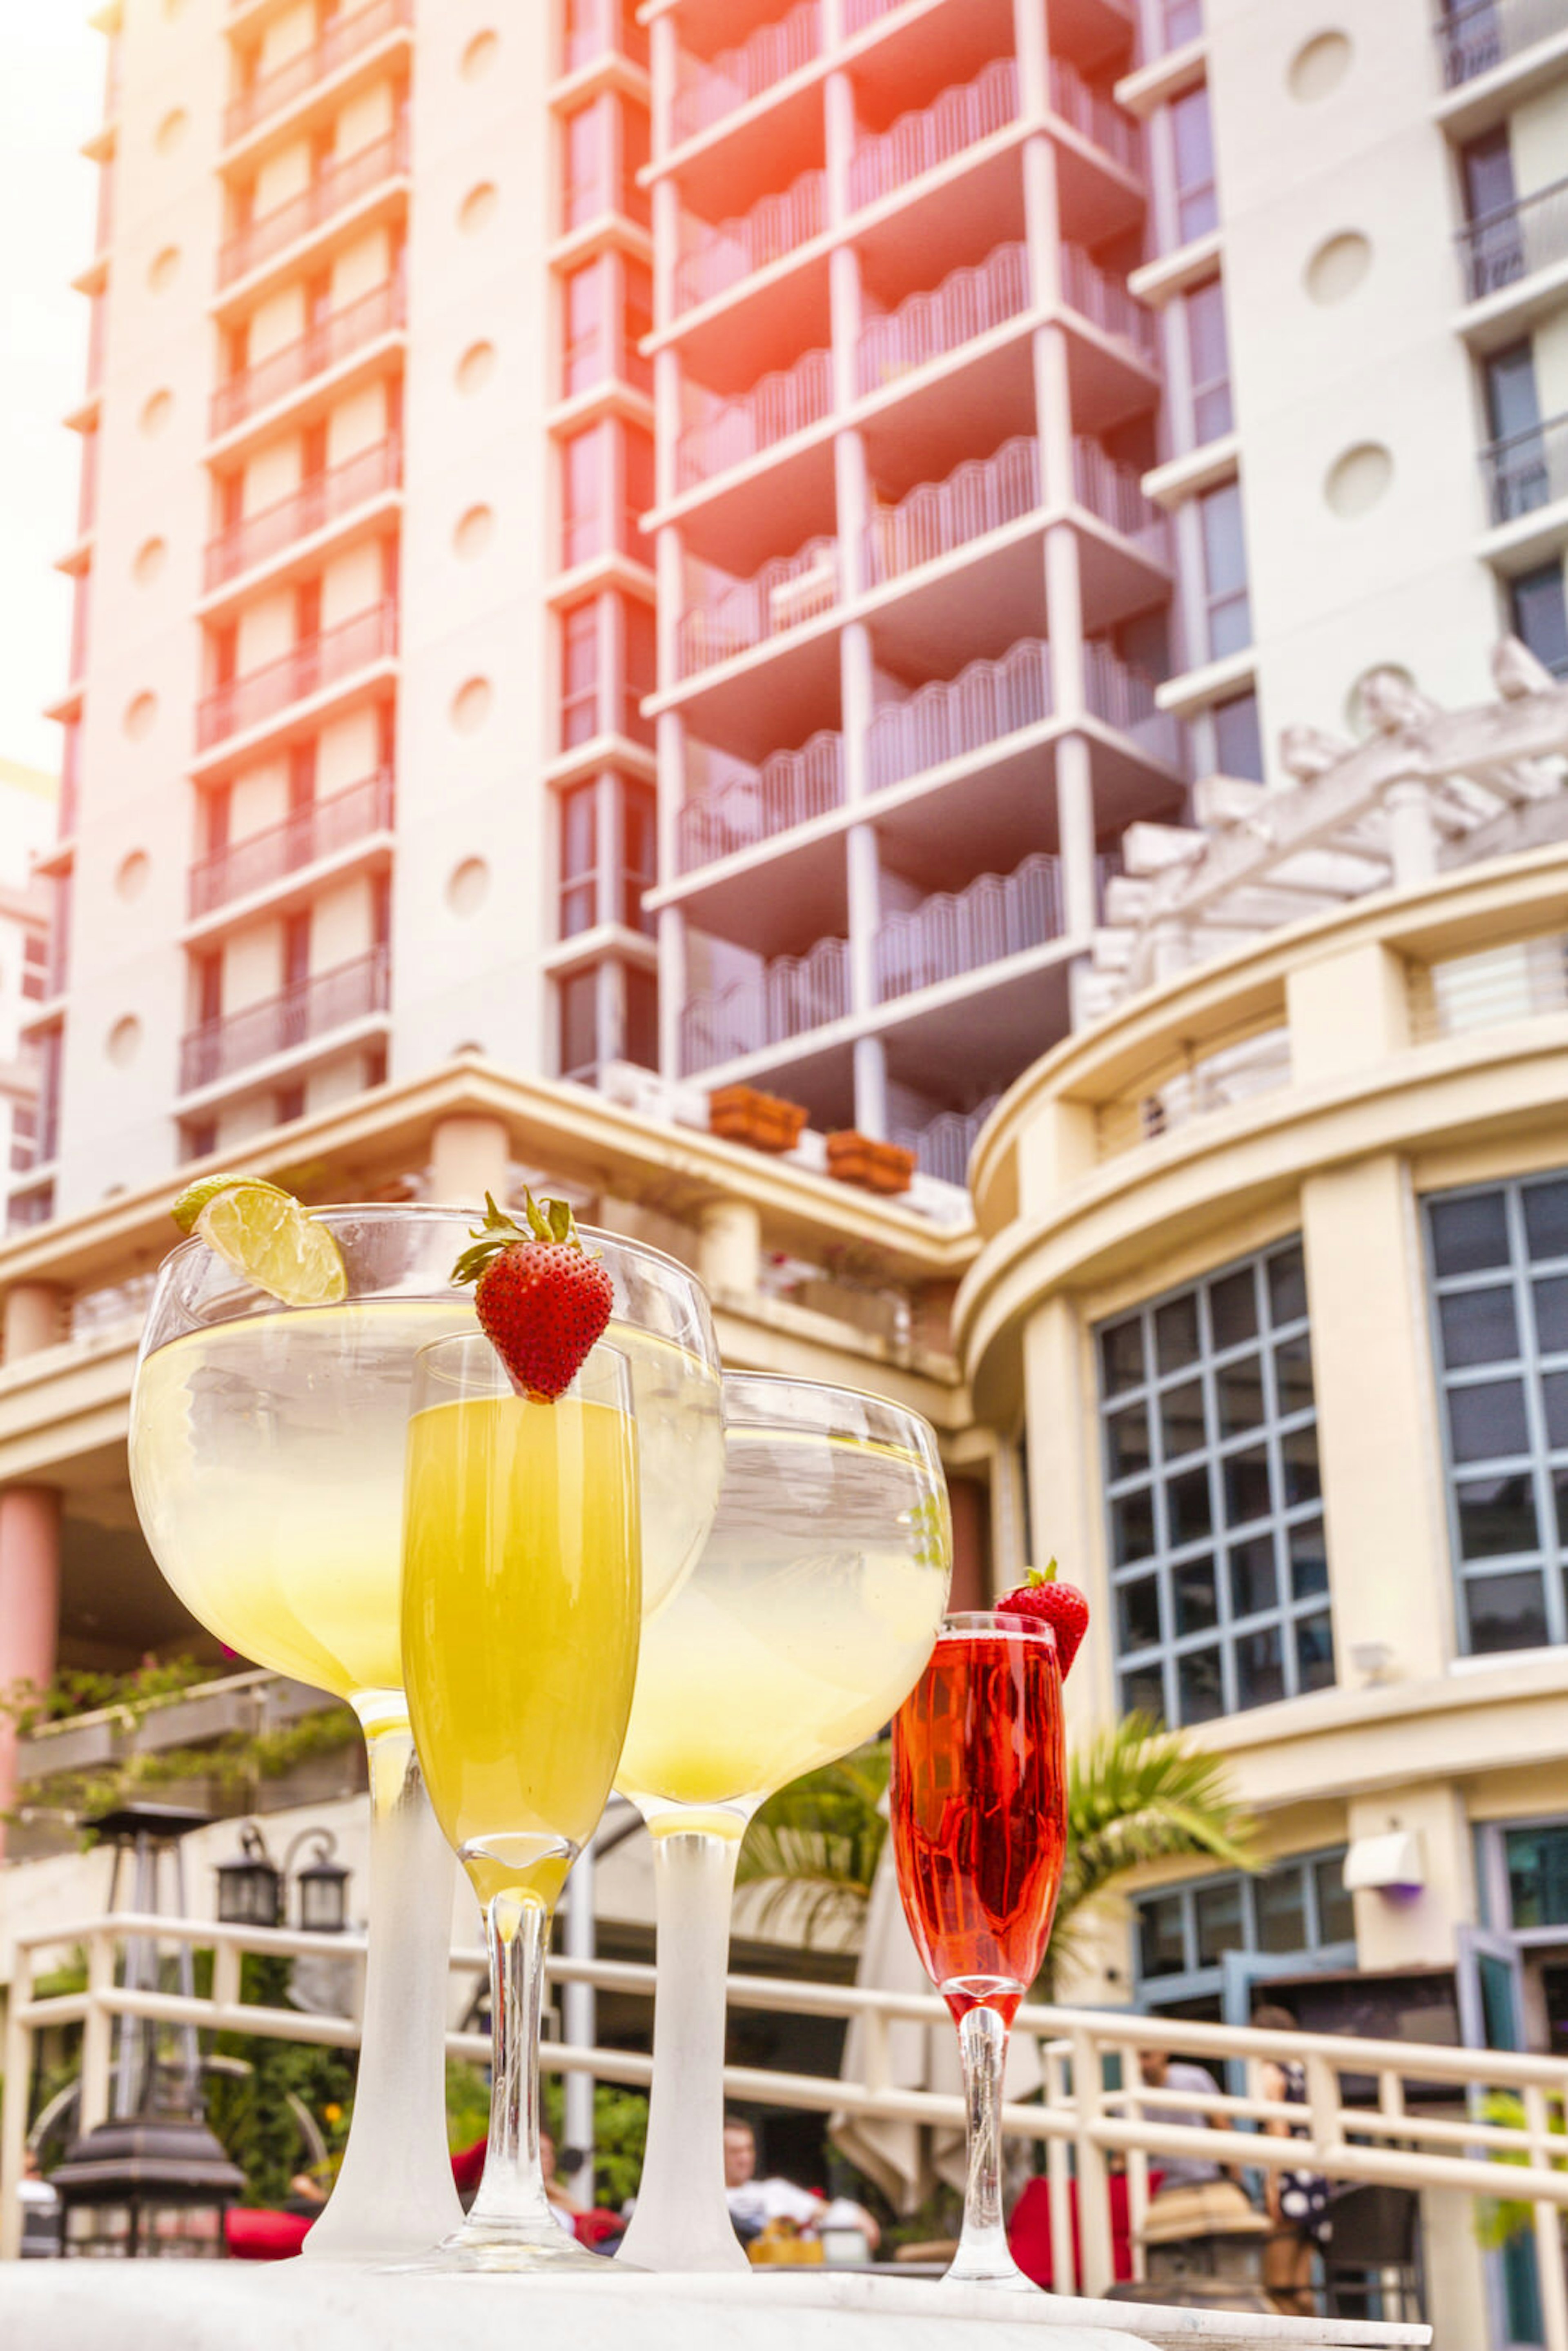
(477,208)
(479,56)
(131,875)
(151,558)
(156,411)
(1319,66)
(124,1040)
(172,130)
(475,531)
(140,714)
(1355,482)
(1338,267)
(471,706)
(476,367)
(469,886)
(1371,686)
(164,268)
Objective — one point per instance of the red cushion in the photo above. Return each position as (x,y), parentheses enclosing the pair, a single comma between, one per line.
(1029,2232)
(258,2235)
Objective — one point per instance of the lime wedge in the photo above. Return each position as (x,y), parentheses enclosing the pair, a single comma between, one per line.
(275,1244)
(194,1196)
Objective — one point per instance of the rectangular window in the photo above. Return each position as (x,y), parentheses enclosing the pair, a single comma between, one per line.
(642,663)
(1513,402)
(578,1002)
(637,457)
(1228,609)
(1539,613)
(1208,362)
(586,189)
(1239,737)
(578,674)
(1519,463)
(641,1044)
(578,858)
(35,965)
(583,465)
(1293,1909)
(1487,165)
(584,358)
(1214,1496)
(594,27)
(636,149)
(1180,21)
(639,854)
(1192,140)
(637,369)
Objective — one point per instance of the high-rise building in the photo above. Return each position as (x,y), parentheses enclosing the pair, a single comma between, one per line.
(27,796)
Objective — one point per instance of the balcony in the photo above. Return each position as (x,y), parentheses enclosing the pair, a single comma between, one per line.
(343,37)
(1122,696)
(1472,40)
(309,1009)
(1501,248)
(326,827)
(343,181)
(710,91)
(381,311)
(984,704)
(1115,492)
(784,403)
(789,789)
(917,143)
(966,304)
(788,997)
(1528,470)
(1106,302)
(788,590)
(320,499)
(954,931)
(978,498)
(315,663)
(718,258)
(1095,117)
(941,1146)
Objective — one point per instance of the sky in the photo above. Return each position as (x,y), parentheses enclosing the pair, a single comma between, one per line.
(51,99)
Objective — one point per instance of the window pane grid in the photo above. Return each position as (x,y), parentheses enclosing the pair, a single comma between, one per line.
(1184,1931)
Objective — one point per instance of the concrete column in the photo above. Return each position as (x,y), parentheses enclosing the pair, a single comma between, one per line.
(1056,1150)
(1029,47)
(844,309)
(607,844)
(839,127)
(1349,1011)
(729,1248)
(668,422)
(663,68)
(1412,835)
(852,500)
(34,1318)
(1053,416)
(1192,586)
(1064,619)
(671,739)
(29,1608)
(468,1157)
(865,915)
(672,989)
(610,1009)
(856,705)
(1176,416)
(871,1088)
(1076,836)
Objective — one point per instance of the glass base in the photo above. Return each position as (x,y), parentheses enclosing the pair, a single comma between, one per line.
(1001,2276)
(493,2250)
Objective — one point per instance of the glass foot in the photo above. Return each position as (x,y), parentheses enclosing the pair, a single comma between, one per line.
(493,2251)
(1000,2278)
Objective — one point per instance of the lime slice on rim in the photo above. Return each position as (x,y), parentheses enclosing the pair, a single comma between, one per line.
(194,1197)
(268,1236)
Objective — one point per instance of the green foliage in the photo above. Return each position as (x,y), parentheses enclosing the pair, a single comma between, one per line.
(818,1842)
(70,1692)
(251,2113)
(1500,2220)
(468,2104)
(620,2135)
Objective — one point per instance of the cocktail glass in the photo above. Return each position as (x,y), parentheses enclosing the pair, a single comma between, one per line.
(266,1459)
(808,1616)
(978,1801)
(521,1610)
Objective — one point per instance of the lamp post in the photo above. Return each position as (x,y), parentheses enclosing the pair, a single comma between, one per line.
(253,1888)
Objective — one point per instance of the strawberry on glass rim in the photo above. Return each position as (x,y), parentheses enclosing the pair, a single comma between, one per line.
(1061,1605)
(542,1301)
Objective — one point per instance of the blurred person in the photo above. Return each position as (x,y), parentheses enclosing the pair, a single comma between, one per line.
(1296,2200)
(1160,2071)
(754,2202)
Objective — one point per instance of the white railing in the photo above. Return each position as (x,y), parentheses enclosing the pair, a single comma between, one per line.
(1228,1074)
(999,915)
(1123,697)
(1419,2122)
(715,86)
(961,117)
(788,997)
(1500,248)
(1095,115)
(1519,981)
(721,257)
(968,303)
(1115,492)
(950,718)
(1476,39)
(788,590)
(942,1147)
(1106,302)
(790,788)
(776,406)
(982,495)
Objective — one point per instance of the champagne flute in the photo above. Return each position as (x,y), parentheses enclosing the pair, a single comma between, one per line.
(808,1617)
(978,1803)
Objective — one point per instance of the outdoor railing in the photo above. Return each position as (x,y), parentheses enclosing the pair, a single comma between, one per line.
(327,825)
(1471,40)
(721,257)
(790,788)
(1502,246)
(315,661)
(310,1007)
(1123,697)
(1459,994)
(788,997)
(717,87)
(320,499)
(859,13)
(998,914)
(1530,469)
(980,495)
(1233,1071)
(968,303)
(1115,492)
(342,183)
(1095,115)
(942,1147)
(381,311)
(950,718)
(1106,302)
(342,38)
(961,117)
(776,406)
(788,590)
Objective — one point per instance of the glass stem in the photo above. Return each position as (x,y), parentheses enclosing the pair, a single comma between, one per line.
(682,2220)
(395,2192)
(511,2197)
(984,2255)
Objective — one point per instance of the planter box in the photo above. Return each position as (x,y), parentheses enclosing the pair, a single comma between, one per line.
(854,1158)
(742,1115)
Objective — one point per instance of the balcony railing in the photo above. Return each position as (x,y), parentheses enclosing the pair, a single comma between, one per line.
(310,1007)
(943,1146)
(721,257)
(1115,492)
(342,183)
(978,496)
(961,117)
(1106,302)
(859,13)
(775,407)
(789,996)
(968,303)
(1097,117)
(343,37)
(948,720)
(787,789)
(998,915)
(309,833)
(1501,248)
(315,661)
(380,312)
(1122,696)
(1472,40)
(1528,470)
(718,87)
(320,499)
(789,589)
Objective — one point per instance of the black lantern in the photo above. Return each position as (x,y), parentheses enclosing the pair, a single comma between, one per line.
(250,1890)
(323,1885)
(152,2185)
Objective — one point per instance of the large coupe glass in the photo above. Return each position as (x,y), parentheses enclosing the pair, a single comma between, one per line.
(978,1800)
(808,1617)
(266,1459)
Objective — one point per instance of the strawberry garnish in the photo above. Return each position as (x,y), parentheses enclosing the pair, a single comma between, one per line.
(542,1301)
(1061,1605)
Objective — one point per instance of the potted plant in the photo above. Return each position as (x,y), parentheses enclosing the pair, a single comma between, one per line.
(743,1114)
(854,1158)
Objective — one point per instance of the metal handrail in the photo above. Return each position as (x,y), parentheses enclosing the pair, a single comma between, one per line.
(789,996)
(1472,40)
(1235,1069)
(788,590)
(960,117)
(718,86)
(951,717)
(954,932)
(968,303)
(1096,115)
(980,495)
(381,311)
(738,248)
(315,661)
(342,182)
(332,823)
(1106,303)
(1499,248)
(1527,470)
(943,1146)
(320,499)
(790,788)
(1115,492)
(310,1007)
(778,404)
(343,38)
(1123,696)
